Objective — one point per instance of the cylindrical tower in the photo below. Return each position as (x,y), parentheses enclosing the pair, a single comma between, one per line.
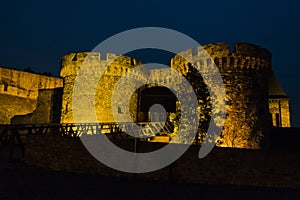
(112,68)
(243,72)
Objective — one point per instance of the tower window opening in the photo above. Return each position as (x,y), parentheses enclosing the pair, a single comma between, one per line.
(120,110)
(231,61)
(277,117)
(5,87)
(224,61)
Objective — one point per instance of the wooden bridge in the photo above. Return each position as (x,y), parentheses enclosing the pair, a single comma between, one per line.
(79,129)
(12,134)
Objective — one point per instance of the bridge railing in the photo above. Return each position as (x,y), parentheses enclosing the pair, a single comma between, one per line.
(8,132)
(11,134)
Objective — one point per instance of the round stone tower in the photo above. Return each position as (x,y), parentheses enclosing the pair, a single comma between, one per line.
(244,75)
(111,69)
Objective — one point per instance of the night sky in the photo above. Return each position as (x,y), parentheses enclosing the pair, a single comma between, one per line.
(37,34)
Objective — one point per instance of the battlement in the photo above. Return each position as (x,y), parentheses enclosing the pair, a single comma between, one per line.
(245,56)
(118,64)
(163,75)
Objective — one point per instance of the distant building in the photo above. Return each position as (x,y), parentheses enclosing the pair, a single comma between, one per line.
(278,103)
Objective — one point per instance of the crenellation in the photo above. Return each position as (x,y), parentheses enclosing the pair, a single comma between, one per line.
(111,56)
(238,59)
(117,64)
(252,50)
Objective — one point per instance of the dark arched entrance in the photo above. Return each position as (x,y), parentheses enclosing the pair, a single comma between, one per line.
(155,95)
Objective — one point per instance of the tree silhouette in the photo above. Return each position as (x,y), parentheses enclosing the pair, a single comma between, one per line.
(203,97)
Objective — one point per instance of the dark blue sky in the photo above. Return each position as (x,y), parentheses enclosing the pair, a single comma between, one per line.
(37,34)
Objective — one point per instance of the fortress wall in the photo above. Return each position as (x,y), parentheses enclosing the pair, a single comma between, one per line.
(243,72)
(112,68)
(13,105)
(24,84)
(165,76)
(19,92)
(242,167)
(47,110)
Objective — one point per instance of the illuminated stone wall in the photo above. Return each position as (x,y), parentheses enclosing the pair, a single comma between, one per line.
(25,84)
(48,109)
(19,92)
(280,111)
(111,74)
(13,105)
(243,71)
(278,102)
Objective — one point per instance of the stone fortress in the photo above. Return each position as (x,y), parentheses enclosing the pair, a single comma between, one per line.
(254,98)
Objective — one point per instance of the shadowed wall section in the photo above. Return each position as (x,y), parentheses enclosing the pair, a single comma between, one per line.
(48,109)
(221,166)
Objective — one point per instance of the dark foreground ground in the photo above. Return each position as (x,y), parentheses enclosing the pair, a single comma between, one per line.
(18,181)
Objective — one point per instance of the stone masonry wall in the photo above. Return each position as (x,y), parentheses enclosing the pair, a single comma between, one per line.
(111,74)
(280,107)
(112,69)
(19,92)
(25,84)
(47,110)
(243,72)
(13,105)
